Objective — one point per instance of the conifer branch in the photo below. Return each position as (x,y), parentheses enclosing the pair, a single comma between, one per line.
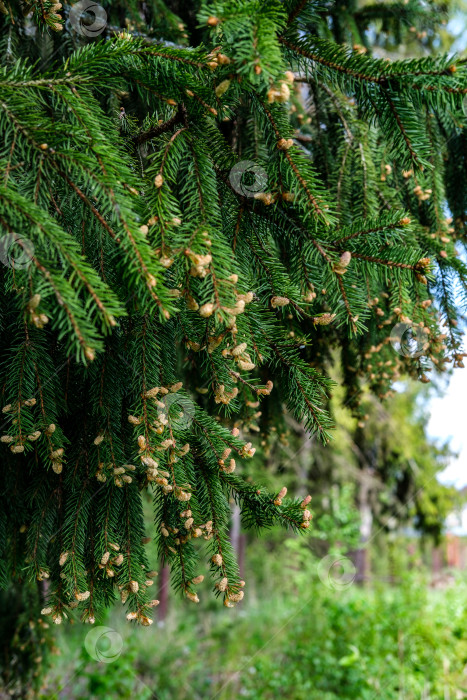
(198,225)
(180,116)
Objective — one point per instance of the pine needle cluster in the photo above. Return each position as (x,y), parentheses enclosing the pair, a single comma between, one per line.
(196,212)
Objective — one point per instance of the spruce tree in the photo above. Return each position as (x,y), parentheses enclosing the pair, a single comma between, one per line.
(200,204)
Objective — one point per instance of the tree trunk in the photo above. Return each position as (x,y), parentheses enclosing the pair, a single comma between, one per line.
(164,584)
(238,539)
(367,461)
(360,556)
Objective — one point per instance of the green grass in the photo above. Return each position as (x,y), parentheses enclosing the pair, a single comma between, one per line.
(403,643)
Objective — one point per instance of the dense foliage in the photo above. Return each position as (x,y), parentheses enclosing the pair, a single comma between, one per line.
(196,210)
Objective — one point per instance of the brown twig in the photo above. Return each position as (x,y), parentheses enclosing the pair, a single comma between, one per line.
(180,116)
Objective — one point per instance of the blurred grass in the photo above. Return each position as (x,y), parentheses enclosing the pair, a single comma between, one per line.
(304,642)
